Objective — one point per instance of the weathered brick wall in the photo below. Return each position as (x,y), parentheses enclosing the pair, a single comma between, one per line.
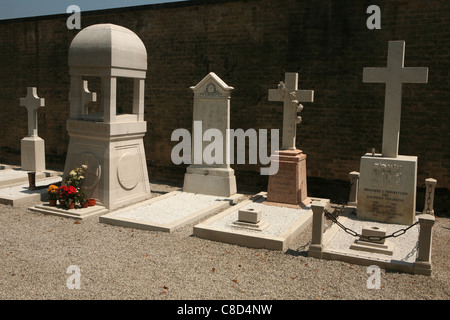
(250,45)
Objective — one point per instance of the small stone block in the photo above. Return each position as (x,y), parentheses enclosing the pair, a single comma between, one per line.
(387,248)
(260,226)
(373,232)
(249,215)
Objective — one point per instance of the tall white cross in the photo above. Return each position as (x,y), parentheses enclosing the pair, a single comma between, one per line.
(288,93)
(394,76)
(32,102)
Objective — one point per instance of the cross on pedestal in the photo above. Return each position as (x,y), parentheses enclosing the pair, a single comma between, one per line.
(287,92)
(32,102)
(394,76)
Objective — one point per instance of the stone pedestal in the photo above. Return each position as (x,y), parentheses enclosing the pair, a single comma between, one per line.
(114,153)
(387,189)
(288,185)
(210,181)
(33,154)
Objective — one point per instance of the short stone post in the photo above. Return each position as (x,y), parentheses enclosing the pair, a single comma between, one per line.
(430,184)
(316,247)
(354,181)
(423,260)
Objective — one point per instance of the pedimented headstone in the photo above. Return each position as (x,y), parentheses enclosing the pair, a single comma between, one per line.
(211,111)
(387,184)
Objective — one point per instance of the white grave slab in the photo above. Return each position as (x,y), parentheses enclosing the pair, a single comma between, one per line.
(168,212)
(283,225)
(14,176)
(19,194)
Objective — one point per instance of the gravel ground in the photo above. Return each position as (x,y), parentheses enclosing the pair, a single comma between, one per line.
(36,251)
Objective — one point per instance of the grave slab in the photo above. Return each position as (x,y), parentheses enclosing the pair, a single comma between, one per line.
(283,225)
(168,212)
(14,176)
(336,244)
(19,194)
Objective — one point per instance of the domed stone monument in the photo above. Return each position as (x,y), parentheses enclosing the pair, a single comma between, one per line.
(110,143)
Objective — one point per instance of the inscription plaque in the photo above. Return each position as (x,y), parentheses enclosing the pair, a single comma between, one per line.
(387,189)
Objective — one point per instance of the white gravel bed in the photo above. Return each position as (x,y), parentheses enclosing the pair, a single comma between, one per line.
(405,246)
(279,218)
(171,209)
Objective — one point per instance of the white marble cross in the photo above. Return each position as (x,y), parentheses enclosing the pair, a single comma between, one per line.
(394,76)
(32,102)
(288,93)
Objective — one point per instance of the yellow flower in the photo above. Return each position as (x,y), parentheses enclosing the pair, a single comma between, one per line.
(52,189)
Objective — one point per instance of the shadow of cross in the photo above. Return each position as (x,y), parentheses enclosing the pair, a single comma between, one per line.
(287,92)
(32,102)
(394,76)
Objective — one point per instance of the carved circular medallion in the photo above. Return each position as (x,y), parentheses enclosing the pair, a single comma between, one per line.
(128,171)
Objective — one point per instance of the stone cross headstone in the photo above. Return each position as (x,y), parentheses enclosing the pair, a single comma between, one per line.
(288,93)
(32,146)
(288,186)
(211,113)
(387,185)
(394,75)
(32,102)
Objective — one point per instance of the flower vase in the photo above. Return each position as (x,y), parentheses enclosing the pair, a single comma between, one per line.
(52,202)
(85,204)
(92,202)
(71,205)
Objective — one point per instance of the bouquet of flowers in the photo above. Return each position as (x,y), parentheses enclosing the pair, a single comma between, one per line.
(67,194)
(76,177)
(52,191)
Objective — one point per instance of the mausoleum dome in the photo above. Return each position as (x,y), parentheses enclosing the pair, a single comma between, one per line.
(107,46)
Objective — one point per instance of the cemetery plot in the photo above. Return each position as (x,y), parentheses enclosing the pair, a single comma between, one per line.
(168,212)
(406,248)
(16,194)
(276,228)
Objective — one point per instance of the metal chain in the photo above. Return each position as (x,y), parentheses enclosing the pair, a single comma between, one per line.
(429,200)
(367,238)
